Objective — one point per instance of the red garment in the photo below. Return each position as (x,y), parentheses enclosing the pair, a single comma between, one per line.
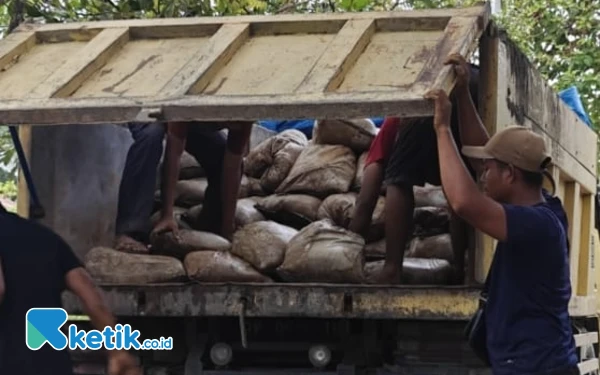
(383,144)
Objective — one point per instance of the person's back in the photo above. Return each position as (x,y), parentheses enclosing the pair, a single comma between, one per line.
(527,311)
(34,263)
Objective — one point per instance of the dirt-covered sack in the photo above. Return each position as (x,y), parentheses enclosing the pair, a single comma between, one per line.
(293,210)
(356,134)
(273,158)
(111,266)
(338,208)
(439,247)
(324,252)
(187,241)
(178,215)
(415,271)
(190,193)
(321,170)
(221,267)
(430,196)
(246,212)
(250,187)
(431,221)
(189,167)
(375,249)
(262,244)
(360,171)
(377,226)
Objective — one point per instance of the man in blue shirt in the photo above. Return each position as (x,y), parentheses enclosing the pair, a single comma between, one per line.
(527,318)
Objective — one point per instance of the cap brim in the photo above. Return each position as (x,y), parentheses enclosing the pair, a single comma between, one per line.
(475,152)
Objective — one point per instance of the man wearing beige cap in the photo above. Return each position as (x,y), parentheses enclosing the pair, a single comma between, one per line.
(527,326)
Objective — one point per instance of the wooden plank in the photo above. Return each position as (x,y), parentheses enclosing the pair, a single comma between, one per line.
(588,366)
(588,338)
(14,45)
(582,306)
(200,69)
(64,81)
(341,54)
(475,11)
(573,208)
(460,36)
(23,196)
(585,284)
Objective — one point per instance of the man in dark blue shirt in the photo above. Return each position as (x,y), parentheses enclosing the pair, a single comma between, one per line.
(527,318)
(36,266)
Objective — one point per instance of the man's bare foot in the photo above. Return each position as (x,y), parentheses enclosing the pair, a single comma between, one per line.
(127,244)
(389,275)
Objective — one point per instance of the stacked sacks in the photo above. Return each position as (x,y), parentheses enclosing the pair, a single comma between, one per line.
(295,204)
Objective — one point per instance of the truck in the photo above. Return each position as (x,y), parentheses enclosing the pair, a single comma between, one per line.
(66,85)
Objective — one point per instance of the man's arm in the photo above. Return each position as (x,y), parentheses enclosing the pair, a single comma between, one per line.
(176,137)
(461,191)
(81,284)
(471,129)
(237,140)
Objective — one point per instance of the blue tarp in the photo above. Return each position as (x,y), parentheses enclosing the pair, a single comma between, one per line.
(305,126)
(572,99)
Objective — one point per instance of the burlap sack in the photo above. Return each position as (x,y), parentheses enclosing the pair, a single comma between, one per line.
(430,196)
(355,134)
(187,241)
(431,221)
(221,267)
(321,170)
(438,247)
(323,252)
(415,271)
(110,266)
(338,208)
(246,212)
(190,193)
(293,210)
(375,249)
(262,244)
(271,161)
(360,171)
(189,167)
(250,187)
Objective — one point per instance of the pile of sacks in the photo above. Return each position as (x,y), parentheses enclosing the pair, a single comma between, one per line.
(296,201)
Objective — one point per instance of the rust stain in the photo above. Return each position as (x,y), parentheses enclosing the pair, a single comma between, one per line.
(140,66)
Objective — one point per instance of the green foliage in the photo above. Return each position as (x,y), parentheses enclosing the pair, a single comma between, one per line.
(562,38)
(8,189)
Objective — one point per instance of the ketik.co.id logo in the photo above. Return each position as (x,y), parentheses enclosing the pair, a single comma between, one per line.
(42,325)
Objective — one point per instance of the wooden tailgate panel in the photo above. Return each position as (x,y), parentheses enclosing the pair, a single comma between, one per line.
(233,68)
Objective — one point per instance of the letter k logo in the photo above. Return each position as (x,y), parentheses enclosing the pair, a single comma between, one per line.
(43,325)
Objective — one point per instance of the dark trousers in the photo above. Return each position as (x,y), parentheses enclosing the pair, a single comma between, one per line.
(136,192)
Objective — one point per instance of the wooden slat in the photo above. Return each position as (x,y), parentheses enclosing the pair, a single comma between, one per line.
(588,338)
(588,366)
(460,36)
(475,11)
(573,208)
(23,196)
(14,45)
(198,72)
(339,57)
(585,284)
(94,55)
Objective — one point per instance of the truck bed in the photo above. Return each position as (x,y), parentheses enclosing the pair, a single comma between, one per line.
(288,300)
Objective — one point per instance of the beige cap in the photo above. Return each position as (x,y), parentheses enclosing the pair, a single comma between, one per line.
(514,145)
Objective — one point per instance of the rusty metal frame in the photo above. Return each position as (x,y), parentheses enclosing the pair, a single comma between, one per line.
(288,300)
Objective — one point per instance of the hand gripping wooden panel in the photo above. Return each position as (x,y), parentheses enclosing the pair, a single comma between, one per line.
(344,65)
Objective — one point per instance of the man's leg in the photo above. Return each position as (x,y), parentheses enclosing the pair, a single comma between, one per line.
(409,165)
(367,199)
(136,192)
(208,147)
